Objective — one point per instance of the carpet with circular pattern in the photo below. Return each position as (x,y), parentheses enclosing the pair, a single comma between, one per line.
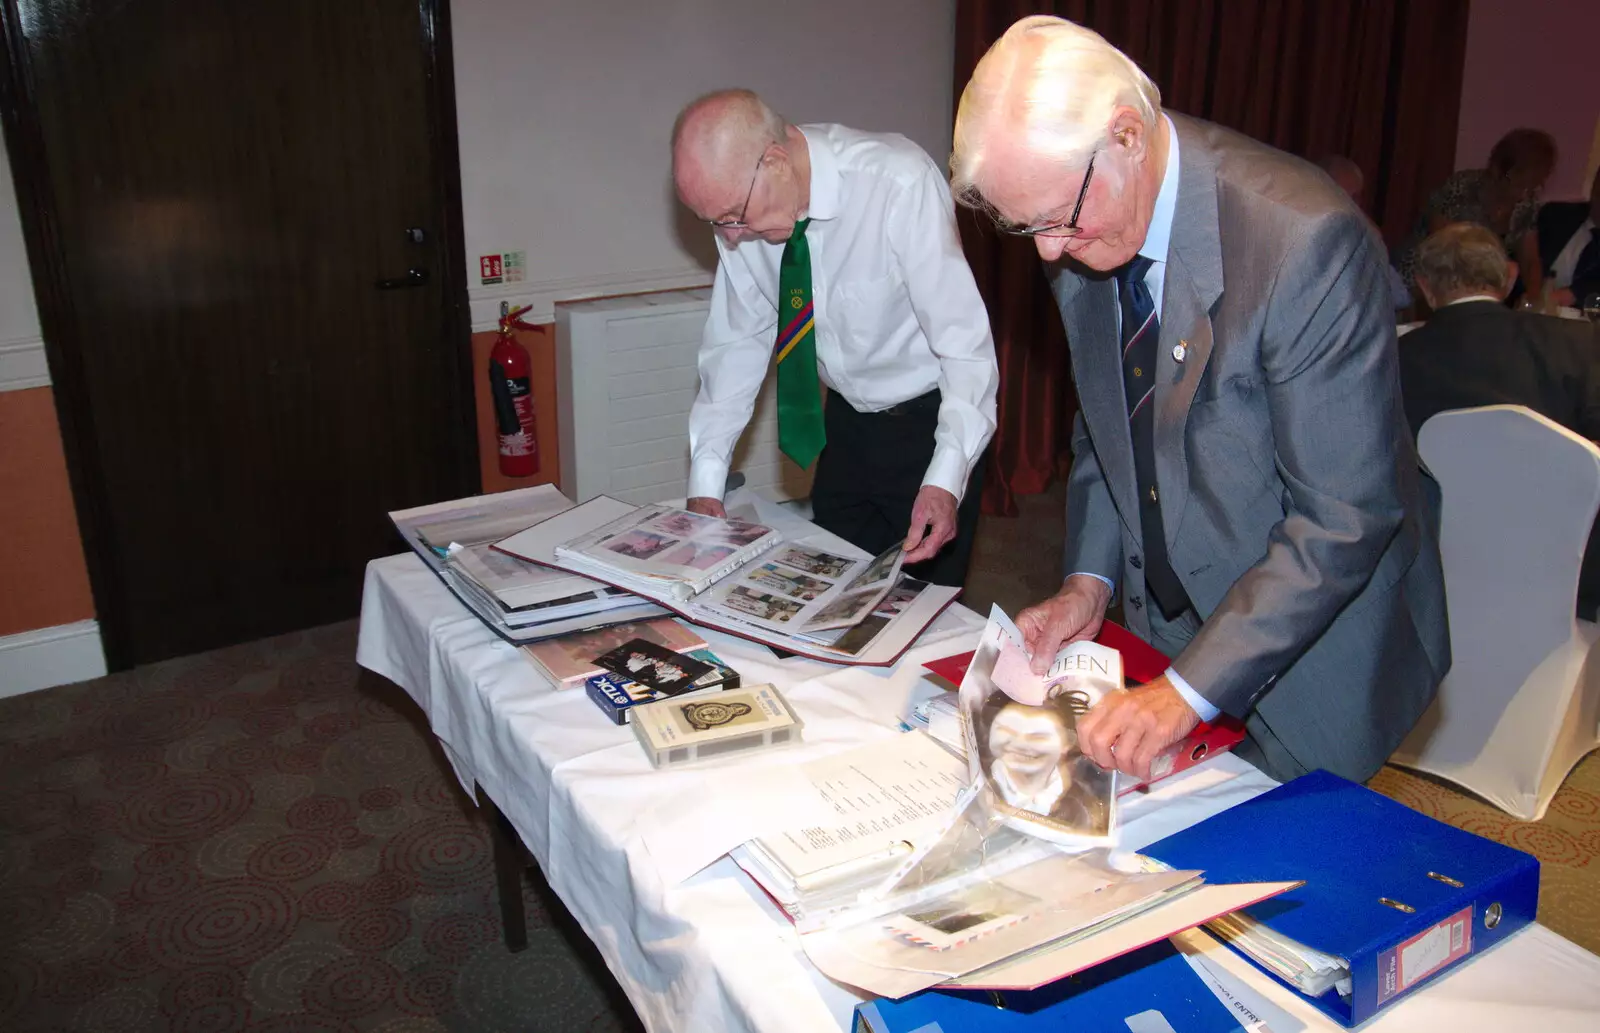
(261,839)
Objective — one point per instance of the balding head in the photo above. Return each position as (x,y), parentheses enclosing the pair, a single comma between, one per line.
(716,142)
(722,145)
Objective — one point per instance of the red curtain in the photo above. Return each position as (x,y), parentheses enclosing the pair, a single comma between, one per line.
(1378,81)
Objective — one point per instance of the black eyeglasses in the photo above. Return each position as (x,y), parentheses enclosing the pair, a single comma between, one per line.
(739,223)
(1059,229)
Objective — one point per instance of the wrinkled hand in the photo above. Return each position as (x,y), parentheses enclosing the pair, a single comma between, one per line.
(707,507)
(933,523)
(1137,725)
(1071,614)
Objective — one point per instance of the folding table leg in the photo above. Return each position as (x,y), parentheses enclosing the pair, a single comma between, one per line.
(510,859)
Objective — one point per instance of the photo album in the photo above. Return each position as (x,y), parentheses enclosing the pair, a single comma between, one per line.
(518,600)
(817,597)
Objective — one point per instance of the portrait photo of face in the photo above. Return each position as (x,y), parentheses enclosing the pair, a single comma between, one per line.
(1034,765)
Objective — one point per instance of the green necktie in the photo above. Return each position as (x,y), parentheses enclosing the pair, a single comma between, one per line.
(800,432)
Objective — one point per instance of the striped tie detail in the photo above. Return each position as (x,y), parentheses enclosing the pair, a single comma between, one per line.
(799,327)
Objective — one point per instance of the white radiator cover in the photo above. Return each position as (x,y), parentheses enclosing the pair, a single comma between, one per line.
(626,377)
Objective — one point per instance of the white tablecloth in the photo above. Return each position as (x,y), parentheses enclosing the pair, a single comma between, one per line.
(714,953)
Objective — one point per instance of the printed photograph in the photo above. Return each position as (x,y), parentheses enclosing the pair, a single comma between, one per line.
(900,596)
(699,555)
(639,545)
(790,583)
(879,569)
(739,533)
(965,915)
(681,524)
(649,663)
(572,656)
(815,561)
(759,604)
(1032,763)
(844,608)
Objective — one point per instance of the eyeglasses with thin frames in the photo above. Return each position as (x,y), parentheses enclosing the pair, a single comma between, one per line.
(1069,228)
(739,223)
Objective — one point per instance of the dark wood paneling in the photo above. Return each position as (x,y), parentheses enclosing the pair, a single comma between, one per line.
(222,185)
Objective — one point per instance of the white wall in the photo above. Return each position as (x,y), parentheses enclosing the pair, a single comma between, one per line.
(565,110)
(18,317)
(22,362)
(1532,63)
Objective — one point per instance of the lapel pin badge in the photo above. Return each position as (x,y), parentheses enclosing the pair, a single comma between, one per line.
(1180,351)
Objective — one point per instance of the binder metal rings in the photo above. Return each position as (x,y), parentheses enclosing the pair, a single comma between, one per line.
(1457,883)
(1407,908)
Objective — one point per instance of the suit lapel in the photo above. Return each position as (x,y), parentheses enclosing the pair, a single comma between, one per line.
(1088,308)
(1189,292)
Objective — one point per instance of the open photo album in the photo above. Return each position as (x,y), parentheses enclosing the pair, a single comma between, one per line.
(815,596)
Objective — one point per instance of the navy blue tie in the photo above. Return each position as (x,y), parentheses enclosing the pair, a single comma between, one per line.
(1141,332)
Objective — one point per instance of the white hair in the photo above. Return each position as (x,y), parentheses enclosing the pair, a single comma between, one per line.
(1054,83)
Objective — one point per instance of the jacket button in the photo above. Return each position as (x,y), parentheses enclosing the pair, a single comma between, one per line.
(1138,564)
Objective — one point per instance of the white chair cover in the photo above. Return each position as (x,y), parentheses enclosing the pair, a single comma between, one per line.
(1521,704)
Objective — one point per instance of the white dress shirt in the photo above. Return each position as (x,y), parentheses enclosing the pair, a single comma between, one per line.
(1156,241)
(897,310)
(1566,263)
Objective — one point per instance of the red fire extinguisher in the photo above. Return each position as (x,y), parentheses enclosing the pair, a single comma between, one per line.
(510,373)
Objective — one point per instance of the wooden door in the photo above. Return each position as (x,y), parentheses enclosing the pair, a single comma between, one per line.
(211,194)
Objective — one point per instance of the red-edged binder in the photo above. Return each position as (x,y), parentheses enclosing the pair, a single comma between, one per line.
(1141,662)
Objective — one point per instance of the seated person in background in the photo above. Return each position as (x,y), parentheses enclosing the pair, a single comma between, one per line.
(1474,351)
(1503,196)
(1347,176)
(1569,246)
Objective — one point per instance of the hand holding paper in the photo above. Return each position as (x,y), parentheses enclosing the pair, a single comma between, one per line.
(933,523)
(1073,613)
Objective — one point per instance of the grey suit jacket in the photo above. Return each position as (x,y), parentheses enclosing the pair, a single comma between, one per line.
(1287,476)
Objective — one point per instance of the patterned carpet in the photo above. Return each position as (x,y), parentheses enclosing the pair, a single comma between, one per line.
(260,839)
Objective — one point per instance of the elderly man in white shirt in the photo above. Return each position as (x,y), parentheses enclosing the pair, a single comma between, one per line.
(840,264)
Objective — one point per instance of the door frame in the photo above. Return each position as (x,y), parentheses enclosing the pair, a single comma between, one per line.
(63,333)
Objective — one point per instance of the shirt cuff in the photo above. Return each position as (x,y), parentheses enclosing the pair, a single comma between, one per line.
(708,478)
(949,470)
(1089,573)
(1201,705)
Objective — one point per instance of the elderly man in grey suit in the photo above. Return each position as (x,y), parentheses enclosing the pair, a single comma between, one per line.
(1242,469)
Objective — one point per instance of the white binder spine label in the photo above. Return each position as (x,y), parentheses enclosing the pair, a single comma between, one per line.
(1402,967)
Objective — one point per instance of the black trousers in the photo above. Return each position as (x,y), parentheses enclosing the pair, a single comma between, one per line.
(868,477)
